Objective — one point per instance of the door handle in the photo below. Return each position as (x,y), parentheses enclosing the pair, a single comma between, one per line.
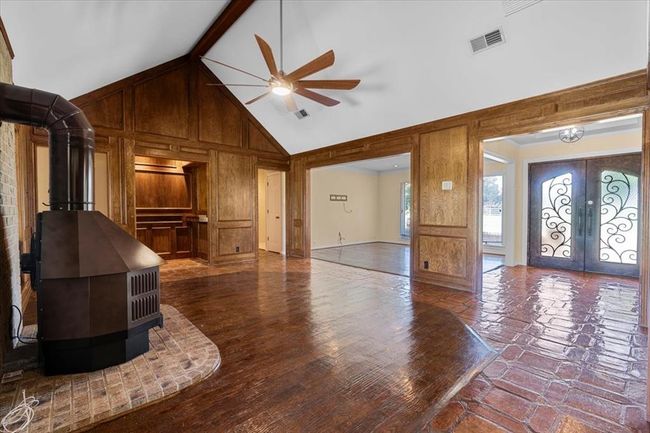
(580,224)
(589,220)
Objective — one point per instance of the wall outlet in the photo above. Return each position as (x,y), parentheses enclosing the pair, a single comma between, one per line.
(426,264)
(237,249)
(447,185)
(338,197)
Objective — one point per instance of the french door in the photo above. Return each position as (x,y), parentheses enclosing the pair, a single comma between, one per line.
(583,214)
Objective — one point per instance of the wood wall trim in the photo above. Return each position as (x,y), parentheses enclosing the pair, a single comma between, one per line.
(593,101)
(220,26)
(513,112)
(5,36)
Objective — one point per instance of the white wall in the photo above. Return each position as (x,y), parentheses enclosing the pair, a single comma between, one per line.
(591,146)
(389,205)
(373,199)
(328,218)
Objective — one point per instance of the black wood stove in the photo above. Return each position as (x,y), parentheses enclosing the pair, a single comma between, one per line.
(98,288)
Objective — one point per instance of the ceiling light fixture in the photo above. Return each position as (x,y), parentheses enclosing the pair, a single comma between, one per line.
(281,89)
(572,134)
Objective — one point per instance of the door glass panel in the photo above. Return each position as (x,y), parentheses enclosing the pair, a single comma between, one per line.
(556,217)
(619,204)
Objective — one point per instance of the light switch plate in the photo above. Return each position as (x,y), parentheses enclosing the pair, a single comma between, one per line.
(447,185)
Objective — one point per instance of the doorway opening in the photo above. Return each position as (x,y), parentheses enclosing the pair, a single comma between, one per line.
(171,200)
(271,210)
(361,213)
(576,195)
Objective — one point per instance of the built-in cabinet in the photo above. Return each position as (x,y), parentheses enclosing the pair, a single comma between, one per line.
(171,206)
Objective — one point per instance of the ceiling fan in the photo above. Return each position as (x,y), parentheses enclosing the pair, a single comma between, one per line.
(286,85)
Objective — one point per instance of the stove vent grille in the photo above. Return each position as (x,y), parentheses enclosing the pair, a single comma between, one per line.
(144,292)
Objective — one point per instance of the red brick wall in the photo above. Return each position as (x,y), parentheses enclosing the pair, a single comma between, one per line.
(9,253)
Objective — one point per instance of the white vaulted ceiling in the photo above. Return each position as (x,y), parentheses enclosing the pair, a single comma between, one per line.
(72,47)
(415,62)
(413,57)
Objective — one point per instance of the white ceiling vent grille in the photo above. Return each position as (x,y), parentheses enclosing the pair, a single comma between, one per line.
(487,40)
(513,6)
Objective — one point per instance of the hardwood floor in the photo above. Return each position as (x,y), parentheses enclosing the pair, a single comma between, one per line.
(311,346)
(314,346)
(376,256)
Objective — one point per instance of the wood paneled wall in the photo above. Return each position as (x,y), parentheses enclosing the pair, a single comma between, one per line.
(170,112)
(446,226)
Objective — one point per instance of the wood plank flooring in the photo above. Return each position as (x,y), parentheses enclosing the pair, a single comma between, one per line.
(311,346)
(376,256)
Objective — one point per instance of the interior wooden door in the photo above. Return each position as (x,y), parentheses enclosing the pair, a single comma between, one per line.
(274,212)
(556,228)
(612,215)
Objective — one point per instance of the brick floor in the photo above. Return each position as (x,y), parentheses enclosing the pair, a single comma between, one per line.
(179,355)
(573,357)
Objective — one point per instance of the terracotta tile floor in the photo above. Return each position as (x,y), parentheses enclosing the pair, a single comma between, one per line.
(573,357)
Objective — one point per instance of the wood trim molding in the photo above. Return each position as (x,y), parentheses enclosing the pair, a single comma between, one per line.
(220,26)
(5,36)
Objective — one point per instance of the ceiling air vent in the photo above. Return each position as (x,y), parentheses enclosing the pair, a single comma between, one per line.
(512,6)
(301,114)
(487,40)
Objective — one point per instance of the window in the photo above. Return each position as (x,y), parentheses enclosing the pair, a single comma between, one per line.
(493,210)
(405,210)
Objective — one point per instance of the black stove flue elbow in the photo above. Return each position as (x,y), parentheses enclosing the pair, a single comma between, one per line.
(72,142)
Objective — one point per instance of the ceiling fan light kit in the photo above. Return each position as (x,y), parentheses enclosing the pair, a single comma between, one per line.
(286,85)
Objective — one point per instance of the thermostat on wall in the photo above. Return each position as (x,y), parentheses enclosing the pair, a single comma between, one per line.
(447,185)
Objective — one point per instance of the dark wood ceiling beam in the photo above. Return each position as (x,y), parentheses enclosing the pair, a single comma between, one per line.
(220,26)
(5,36)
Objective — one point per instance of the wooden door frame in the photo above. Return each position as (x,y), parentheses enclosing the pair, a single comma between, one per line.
(644,248)
(406,146)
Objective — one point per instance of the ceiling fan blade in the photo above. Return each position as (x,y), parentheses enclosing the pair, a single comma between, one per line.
(328,84)
(291,103)
(322,99)
(239,85)
(232,67)
(318,64)
(267,53)
(258,98)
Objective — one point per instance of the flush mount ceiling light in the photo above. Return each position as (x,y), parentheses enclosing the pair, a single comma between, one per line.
(280,88)
(572,134)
